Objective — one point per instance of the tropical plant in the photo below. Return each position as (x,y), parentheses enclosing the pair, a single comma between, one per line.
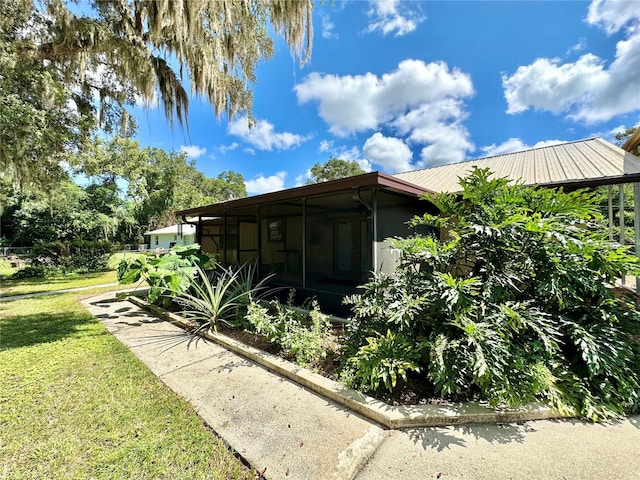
(221,296)
(384,359)
(303,334)
(169,274)
(508,300)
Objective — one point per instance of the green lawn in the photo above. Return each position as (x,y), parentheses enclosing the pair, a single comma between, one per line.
(58,282)
(75,403)
(6,270)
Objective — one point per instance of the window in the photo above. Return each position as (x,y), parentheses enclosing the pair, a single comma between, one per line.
(157,237)
(276,230)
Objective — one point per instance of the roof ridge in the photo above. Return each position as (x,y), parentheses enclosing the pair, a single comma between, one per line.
(501,155)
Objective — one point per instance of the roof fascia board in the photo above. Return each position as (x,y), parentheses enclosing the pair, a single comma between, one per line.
(367,180)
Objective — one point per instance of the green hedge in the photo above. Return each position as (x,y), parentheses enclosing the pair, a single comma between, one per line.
(60,257)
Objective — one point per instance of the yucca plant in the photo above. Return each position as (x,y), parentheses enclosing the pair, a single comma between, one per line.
(221,296)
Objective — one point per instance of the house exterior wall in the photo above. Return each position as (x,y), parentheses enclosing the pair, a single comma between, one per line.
(392,214)
(168,240)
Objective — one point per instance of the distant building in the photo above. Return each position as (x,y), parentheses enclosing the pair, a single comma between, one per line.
(168,237)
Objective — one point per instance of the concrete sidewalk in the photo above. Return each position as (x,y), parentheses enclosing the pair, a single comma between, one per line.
(290,433)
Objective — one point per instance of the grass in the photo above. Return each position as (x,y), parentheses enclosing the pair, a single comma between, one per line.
(75,403)
(115,258)
(6,270)
(58,282)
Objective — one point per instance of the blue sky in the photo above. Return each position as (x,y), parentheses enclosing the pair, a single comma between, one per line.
(399,85)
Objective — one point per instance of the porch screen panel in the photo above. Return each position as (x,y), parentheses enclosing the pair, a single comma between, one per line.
(211,241)
(345,247)
(248,242)
(231,242)
(281,243)
(338,243)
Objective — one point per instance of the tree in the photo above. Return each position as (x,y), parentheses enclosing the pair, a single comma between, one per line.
(623,135)
(65,64)
(63,214)
(37,123)
(157,182)
(333,169)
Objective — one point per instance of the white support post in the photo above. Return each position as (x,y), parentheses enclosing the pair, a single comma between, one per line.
(610,204)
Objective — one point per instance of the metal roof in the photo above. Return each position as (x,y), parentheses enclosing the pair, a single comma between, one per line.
(582,163)
(174,229)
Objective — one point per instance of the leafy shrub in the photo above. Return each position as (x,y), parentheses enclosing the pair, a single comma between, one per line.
(54,258)
(511,304)
(304,336)
(80,255)
(383,359)
(169,274)
(35,271)
(90,256)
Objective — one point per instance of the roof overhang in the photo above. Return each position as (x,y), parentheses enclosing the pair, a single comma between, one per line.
(373,180)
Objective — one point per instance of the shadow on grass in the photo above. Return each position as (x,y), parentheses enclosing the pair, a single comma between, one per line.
(25,330)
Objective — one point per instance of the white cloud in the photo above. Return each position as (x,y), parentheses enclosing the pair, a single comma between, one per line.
(439,127)
(389,16)
(325,145)
(229,148)
(302,179)
(362,102)
(328,27)
(612,15)
(263,136)
(423,102)
(586,90)
(515,145)
(389,152)
(578,47)
(547,85)
(262,184)
(193,151)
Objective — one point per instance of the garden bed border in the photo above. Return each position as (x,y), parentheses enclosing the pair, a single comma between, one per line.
(392,417)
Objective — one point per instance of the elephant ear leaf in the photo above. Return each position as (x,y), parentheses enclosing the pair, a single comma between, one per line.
(129,272)
(131,276)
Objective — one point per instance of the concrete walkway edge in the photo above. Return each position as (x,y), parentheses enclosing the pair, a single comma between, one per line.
(393,417)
